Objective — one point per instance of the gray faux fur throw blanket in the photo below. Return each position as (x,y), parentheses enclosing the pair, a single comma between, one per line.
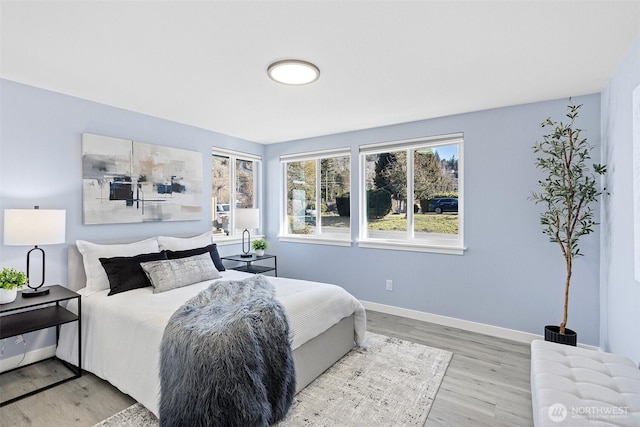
(225,358)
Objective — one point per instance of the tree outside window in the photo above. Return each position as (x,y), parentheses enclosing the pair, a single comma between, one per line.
(412,192)
(318,197)
(234,180)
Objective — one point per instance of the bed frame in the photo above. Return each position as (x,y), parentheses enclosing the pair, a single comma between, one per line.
(310,359)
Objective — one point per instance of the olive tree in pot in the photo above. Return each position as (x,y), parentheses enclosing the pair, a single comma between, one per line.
(568,193)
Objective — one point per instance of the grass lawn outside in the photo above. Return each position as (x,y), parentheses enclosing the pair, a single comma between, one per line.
(428,223)
(446,223)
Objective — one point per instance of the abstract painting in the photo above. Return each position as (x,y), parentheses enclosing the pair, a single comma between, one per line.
(126,181)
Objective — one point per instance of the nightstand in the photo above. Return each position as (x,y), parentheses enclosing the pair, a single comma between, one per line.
(250,267)
(40,313)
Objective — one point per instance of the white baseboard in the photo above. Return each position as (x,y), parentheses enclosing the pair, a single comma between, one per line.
(480,328)
(31,357)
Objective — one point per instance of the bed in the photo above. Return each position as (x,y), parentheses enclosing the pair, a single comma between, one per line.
(121,333)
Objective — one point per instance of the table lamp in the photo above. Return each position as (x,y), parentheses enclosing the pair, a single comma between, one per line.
(27,227)
(247,219)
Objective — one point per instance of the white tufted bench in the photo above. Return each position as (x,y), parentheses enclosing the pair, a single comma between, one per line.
(573,386)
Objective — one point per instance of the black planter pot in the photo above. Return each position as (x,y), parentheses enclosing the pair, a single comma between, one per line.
(552,333)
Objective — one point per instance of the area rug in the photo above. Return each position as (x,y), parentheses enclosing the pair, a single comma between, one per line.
(387,381)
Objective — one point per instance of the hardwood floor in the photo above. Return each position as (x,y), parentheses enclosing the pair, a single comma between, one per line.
(487,383)
(81,402)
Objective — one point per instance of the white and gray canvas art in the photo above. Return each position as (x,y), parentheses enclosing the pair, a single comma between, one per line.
(126,181)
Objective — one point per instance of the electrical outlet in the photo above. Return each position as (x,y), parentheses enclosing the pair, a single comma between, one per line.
(389,284)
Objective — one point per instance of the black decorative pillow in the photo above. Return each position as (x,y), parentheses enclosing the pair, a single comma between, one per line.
(212,249)
(124,273)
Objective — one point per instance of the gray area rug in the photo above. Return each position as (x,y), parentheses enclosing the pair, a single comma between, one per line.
(388,381)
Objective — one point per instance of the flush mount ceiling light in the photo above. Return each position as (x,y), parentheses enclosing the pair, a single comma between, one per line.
(293,72)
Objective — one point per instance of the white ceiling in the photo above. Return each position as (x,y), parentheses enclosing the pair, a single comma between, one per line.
(204,63)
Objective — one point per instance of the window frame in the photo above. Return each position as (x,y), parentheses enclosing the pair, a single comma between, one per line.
(336,239)
(410,243)
(234,156)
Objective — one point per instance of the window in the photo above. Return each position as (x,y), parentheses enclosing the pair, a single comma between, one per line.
(235,185)
(411,194)
(317,197)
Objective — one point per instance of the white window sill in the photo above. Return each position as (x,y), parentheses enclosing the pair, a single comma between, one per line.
(223,241)
(315,240)
(412,246)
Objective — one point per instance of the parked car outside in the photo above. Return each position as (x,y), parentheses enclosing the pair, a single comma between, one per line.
(443,204)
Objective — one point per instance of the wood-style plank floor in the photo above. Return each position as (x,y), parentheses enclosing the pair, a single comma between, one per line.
(487,383)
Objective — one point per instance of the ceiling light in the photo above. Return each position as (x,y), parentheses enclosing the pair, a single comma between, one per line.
(293,72)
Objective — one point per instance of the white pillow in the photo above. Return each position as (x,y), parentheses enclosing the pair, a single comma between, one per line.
(169,274)
(97,279)
(168,243)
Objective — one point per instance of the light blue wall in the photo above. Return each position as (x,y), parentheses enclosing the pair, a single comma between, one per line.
(510,276)
(40,164)
(620,311)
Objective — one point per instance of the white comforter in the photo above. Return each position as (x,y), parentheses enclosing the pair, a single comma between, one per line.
(121,334)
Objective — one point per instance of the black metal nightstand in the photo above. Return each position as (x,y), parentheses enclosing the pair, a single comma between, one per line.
(40,313)
(250,267)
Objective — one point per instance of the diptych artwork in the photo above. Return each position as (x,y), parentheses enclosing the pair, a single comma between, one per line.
(126,181)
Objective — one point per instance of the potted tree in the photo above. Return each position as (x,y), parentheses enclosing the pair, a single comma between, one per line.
(568,193)
(10,281)
(259,245)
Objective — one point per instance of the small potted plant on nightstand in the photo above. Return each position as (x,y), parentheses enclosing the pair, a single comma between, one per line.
(259,246)
(10,281)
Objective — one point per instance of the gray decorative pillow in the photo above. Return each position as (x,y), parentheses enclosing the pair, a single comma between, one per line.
(170,274)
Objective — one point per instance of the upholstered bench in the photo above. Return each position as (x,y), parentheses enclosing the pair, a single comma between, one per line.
(573,386)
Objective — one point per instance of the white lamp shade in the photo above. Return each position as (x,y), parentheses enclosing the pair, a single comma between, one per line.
(34,227)
(247,219)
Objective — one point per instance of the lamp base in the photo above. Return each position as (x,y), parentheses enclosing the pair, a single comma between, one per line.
(246,255)
(30,293)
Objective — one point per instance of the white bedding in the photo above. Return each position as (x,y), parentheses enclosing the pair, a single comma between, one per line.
(121,334)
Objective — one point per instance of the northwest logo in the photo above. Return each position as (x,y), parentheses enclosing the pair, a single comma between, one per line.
(557,412)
